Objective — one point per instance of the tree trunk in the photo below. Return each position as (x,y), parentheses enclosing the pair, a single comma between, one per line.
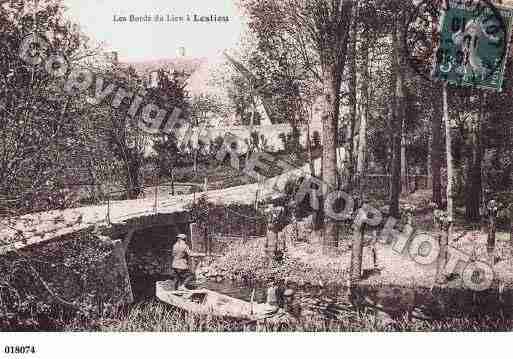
(448,149)
(362,144)
(398,116)
(195,164)
(309,148)
(436,155)
(356,254)
(395,178)
(364,106)
(511,224)
(333,61)
(404,164)
(172,182)
(353,105)
(133,178)
(442,256)
(429,172)
(195,149)
(492,228)
(329,142)
(473,180)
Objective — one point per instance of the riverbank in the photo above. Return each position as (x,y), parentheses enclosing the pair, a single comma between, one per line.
(307,263)
(396,289)
(248,263)
(157,317)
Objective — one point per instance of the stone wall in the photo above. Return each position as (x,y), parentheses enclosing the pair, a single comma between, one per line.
(85,273)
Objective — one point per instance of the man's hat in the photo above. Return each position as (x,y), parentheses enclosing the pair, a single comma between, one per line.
(181,236)
(276,197)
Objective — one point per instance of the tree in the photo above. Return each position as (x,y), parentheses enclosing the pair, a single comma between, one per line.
(398,114)
(203,106)
(448,154)
(436,154)
(170,93)
(364,107)
(318,32)
(351,138)
(128,143)
(41,125)
(240,100)
(167,155)
(473,183)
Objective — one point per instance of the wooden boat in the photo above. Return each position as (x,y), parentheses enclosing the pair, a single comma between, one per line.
(208,302)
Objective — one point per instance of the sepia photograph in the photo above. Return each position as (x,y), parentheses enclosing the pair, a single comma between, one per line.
(254,166)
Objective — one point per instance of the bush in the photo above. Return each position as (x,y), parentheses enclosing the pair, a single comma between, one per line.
(248,263)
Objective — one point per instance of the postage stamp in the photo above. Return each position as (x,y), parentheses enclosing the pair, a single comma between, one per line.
(464,43)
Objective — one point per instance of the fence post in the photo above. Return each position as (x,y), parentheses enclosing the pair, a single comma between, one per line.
(155,206)
(493,209)
(357,245)
(172,182)
(108,207)
(209,242)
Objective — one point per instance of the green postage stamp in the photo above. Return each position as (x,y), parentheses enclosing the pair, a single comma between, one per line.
(474,42)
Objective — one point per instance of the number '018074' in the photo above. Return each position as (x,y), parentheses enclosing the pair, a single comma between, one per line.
(20,349)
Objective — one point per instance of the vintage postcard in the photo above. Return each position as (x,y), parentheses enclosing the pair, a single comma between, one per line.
(255,166)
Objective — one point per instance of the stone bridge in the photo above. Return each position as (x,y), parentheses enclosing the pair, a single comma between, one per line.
(118,217)
(120,224)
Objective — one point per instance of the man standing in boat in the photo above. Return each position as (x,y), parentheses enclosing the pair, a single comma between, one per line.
(181,263)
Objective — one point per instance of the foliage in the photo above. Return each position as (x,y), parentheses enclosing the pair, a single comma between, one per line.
(206,106)
(47,286)
(234,219)
(41,128)
(168,156)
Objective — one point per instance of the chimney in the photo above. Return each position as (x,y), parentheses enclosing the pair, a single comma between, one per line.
(154,79)
(112,57)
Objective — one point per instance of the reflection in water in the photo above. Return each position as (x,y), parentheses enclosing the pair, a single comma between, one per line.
(420,303)
(395,301)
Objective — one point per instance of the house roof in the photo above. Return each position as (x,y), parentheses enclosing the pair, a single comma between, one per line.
(199,69)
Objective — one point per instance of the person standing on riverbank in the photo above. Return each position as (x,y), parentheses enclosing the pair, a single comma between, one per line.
(272,294)
(275,224)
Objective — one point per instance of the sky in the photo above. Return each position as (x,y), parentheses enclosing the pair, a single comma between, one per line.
(136,41)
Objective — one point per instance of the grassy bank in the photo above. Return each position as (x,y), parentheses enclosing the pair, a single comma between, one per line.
(158,317)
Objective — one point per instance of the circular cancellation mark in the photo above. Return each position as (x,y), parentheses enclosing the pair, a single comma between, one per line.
(469,45)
